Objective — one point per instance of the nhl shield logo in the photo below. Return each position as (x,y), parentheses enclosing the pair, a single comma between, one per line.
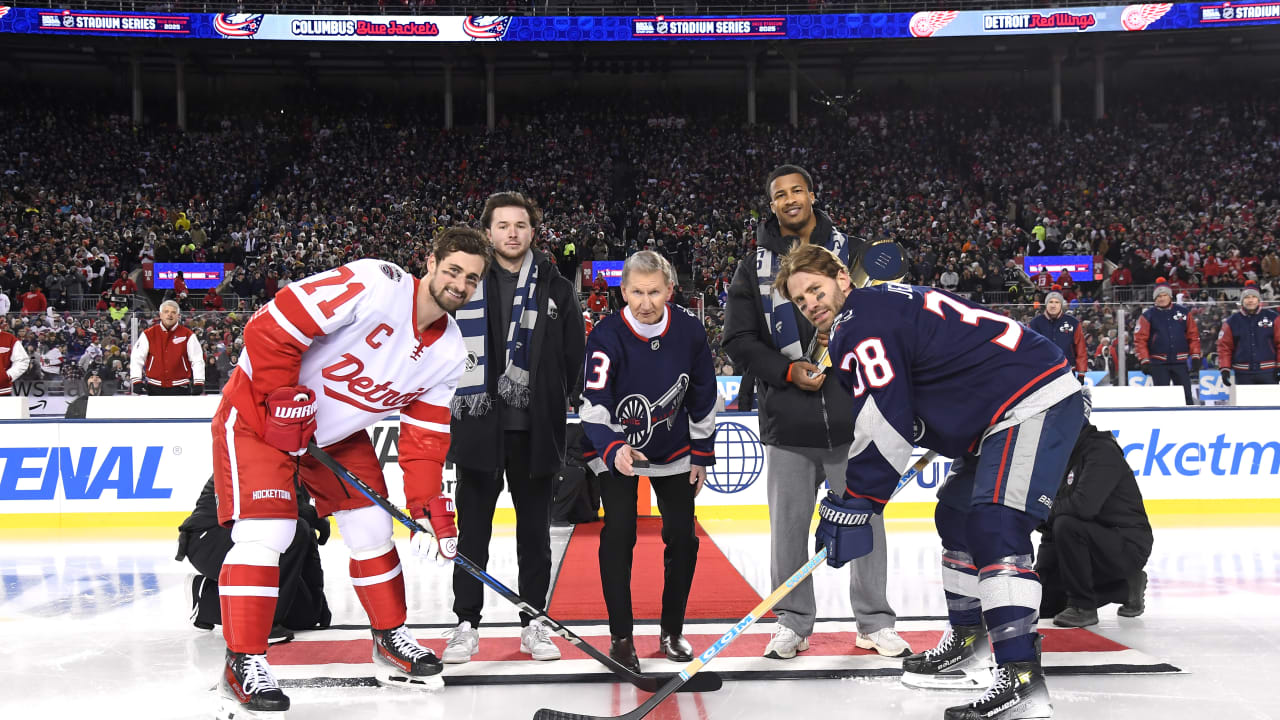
(654,344)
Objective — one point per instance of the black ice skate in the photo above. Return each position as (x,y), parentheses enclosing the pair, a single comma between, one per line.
(961,661)
(249,690)
(399,661)
(1017,692)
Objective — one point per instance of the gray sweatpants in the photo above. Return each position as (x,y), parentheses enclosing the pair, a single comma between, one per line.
(795,474)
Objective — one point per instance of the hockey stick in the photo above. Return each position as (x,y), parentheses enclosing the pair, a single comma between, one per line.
(701,661)
(648,683)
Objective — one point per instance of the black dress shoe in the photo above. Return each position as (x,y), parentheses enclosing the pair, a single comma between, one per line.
(676,648)
(623,649)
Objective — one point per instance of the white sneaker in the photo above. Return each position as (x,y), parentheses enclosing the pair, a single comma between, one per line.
(464,641)
(535,639)
(884,641)
(785,643)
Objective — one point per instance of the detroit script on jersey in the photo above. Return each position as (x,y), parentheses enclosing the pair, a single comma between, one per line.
(928,368)
(350,335)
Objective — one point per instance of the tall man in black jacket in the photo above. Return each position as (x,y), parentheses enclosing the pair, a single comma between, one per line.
(806,422)
(524,336)
(1097,538)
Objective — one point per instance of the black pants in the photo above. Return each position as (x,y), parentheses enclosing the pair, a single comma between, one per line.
(301,604)
(1086,565)
(1250,377)
(1164,374)
(618,542)
(476,498)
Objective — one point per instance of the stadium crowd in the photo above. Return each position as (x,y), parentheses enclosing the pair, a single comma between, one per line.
(1179,188)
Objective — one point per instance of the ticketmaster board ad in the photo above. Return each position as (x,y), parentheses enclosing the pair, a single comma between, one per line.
(102,473)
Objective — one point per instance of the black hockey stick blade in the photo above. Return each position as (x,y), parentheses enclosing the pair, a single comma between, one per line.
(648,683)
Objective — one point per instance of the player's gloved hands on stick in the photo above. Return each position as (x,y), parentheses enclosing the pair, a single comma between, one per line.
(291,419)
(442,548)
(1145,367)
(844,528)
(1226,377)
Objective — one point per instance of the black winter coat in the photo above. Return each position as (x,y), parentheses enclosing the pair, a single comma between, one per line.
(1100,488)
(556,377)
(788,415)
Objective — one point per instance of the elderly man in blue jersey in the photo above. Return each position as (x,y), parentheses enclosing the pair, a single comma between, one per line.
(649,408)
(926,367)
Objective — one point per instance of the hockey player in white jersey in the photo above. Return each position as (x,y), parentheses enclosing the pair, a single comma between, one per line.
(331,355)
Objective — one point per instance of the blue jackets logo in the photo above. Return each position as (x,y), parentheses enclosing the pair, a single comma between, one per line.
(127,473)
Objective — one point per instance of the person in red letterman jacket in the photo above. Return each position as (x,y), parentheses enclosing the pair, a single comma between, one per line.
(1064,331)
(1165,339)
(1249,342)
(168,358)
(14,361)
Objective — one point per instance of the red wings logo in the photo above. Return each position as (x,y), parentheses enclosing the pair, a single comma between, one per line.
(925,24)
(1138,17)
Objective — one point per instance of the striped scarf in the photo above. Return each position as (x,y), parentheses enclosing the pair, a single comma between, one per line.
(779,313)
(513,386)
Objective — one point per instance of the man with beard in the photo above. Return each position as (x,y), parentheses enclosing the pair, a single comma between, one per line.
(806,424)
(524,343)
(1064,330)
(330,356)
(924,367)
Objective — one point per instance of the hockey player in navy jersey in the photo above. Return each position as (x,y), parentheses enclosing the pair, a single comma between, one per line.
(930,369)
(649,401)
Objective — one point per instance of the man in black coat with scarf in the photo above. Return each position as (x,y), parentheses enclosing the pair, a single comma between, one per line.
(524,336)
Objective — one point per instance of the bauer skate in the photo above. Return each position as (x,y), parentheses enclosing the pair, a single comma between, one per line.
(248,690)
(399,661)
(1017,692)
(961,661)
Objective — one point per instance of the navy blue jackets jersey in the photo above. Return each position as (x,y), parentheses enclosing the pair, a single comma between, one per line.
(1167,336)
(658,396)
(931,369)
(1248,341)
(1065,332)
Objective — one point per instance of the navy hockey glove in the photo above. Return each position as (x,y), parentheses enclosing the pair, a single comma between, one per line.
(1226,377)
(844,528)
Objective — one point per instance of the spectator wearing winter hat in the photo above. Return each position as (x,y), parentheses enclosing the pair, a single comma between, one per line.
(1165,339)
(1064,330)
(1249,342)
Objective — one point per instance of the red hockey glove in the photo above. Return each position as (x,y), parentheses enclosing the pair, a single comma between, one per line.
(439,511)
(291,419)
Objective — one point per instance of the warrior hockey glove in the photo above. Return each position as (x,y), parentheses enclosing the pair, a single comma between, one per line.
(291,419)
(844,528)
(444,546)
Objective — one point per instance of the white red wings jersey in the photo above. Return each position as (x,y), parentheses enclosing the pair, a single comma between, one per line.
(350,335)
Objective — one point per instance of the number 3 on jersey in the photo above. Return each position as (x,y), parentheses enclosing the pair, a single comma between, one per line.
(869,364)
(598,372)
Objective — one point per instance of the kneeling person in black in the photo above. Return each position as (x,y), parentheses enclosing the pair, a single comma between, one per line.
(649,401)
(301,604)
(1097,538)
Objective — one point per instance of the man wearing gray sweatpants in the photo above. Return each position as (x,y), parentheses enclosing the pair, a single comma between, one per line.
(806,419)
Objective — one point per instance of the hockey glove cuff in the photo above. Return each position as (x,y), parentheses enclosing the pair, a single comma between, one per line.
(844,528)
(291,419)
(444,546)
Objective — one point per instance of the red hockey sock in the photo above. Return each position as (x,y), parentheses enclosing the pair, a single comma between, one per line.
(379,583)
(248,596)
